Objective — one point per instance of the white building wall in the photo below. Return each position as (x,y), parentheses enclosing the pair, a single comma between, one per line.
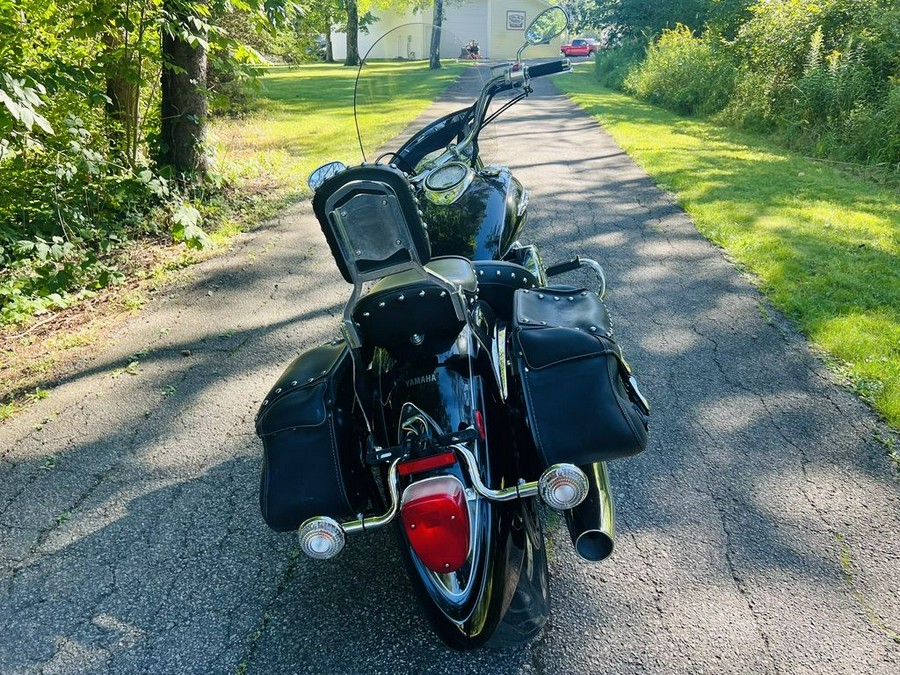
(405,36)
(463,23)
(482,20)
(506,42)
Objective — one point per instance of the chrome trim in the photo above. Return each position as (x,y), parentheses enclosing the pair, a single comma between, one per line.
(498,360)
(503,495)
(592,524)
(598,271)
(374,522)
(523,203)
(521,491)
(530,258)
(449,194)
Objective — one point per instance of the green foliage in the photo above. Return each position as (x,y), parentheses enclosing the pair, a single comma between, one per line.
(612,65)
(821,75)
(684,73)
(186,226)
(79,119)
(648,17)
(871,131)
(21,102)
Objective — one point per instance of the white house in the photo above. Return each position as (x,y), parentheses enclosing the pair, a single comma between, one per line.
(497,25)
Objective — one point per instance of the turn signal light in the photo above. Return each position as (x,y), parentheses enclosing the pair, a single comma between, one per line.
(563,486)
(435,516)
(321,537)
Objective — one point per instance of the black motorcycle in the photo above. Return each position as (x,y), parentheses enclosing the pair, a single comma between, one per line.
(465,390)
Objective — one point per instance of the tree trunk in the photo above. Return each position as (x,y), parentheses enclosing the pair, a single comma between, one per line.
(434,59)
(352,34)
(122,96)
(184,107)
(329,45)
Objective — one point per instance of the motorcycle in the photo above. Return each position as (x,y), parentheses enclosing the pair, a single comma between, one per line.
(465,391)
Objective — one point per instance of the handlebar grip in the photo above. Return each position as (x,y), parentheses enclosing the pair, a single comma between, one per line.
(549,68)
(567,266)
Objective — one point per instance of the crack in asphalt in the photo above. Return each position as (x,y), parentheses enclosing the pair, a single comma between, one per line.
(646,559)
(256,635)
(732,569)
(871,615)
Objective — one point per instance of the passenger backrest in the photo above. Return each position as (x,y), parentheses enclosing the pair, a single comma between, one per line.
(372,223)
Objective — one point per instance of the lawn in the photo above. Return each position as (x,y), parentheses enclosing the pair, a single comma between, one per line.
(823,244)
(306,119)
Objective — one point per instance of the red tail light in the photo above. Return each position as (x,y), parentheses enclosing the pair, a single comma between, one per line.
(435,516)
(413,466)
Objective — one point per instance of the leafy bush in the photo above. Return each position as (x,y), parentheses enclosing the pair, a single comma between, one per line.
(78,102)
(821,75)
(612,65)
(684,73)
(871,131)
(798,55)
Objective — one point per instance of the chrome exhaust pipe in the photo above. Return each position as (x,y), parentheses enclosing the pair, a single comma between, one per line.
(592,524)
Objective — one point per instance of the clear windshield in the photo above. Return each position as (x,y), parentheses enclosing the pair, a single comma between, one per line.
(397,93)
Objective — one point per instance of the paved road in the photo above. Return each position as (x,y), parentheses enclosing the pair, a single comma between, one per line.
(758,534)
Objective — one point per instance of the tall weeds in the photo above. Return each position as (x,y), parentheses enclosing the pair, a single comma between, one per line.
(822,75)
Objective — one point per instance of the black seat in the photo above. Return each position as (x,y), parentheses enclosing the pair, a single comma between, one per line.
(458,271)
(407,309)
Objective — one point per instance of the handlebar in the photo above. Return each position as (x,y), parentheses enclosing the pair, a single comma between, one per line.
(561,268)
(514,76)
(549,68)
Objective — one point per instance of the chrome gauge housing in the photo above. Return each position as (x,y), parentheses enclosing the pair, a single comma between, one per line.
(447,182)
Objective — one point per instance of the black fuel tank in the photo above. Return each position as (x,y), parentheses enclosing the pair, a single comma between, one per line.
(483,222)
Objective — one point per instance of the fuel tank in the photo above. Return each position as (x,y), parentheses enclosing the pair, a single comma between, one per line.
(483,221)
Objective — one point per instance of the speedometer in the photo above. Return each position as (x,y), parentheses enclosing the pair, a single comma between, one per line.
(447,176)
(447,182)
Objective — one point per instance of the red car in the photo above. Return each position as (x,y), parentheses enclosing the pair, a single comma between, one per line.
(580,47)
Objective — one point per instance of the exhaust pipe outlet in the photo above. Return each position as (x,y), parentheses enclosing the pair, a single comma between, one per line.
(592,524)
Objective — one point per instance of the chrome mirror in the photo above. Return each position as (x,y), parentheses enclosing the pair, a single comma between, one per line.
(323,173)
(547,25)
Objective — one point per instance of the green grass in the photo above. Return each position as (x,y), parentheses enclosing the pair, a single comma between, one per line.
(824,245)
(306,119)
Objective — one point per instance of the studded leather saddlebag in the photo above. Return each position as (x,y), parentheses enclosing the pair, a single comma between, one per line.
(582,402)
(311,451)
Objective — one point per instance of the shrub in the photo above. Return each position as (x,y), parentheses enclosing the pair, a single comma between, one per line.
(872,131)
(612,65)
(804,59)
(684,73)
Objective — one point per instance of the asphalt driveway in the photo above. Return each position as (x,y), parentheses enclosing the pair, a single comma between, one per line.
(759,533)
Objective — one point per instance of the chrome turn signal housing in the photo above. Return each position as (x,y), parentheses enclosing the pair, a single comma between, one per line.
(563,486)
(321,537)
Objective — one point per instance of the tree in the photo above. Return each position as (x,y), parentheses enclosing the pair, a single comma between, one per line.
(633,17)
(184,106)
(352,33)
(434,58)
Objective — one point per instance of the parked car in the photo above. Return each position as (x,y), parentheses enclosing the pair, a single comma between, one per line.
(580,47)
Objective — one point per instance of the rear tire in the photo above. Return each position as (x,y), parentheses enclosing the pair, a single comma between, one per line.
(509,603)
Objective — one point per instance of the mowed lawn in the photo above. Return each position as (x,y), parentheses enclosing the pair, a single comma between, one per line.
(306,119)
(823,243)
